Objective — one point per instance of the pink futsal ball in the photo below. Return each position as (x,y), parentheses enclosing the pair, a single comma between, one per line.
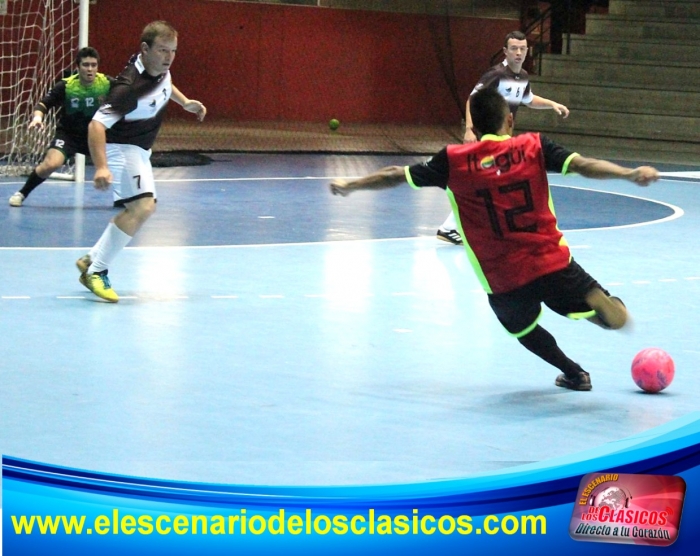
(652,369)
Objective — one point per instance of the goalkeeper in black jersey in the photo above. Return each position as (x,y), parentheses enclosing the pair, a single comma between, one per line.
(76,98)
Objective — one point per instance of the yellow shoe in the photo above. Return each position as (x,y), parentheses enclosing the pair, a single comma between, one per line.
(83,263)
(98,283)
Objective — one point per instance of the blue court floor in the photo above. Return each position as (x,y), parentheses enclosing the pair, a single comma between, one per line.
(271,333)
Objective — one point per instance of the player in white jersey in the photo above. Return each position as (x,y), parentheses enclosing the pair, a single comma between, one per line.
(512,81)
(120,137)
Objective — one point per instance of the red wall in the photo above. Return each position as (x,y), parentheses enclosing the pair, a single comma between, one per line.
(273,62)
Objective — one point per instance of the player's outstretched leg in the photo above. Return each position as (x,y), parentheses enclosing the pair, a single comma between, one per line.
(611,313)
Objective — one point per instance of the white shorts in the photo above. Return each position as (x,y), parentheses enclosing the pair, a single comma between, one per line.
(131,172)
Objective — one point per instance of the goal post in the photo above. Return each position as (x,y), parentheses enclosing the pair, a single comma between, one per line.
(38,42)
(83,27)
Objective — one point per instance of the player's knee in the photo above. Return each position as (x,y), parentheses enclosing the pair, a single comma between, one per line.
(46,168)
(618,316)
(147,209)
(612,315)
(143,208)
(610,311)
(618,322)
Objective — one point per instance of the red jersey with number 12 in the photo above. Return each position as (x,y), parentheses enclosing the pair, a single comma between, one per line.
(504,205)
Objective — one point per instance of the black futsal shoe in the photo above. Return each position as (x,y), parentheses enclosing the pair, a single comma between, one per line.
(451,236)
(580,381)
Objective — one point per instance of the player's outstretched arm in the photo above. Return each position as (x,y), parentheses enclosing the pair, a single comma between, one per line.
(193,106)
(603,169)
(542,103)
(391,176)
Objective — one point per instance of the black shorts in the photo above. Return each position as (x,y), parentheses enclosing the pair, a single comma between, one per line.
(564,292)
(69,145)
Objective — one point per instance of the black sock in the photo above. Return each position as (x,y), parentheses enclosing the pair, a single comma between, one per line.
(33,181)
(542,343)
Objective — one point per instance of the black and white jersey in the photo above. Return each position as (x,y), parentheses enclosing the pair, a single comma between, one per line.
(514,87)
(135,106)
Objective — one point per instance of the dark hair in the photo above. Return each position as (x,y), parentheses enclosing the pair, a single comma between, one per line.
(86,52)
(157,29)
(517,35)
(489,110)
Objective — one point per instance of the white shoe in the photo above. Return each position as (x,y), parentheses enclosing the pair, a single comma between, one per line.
(16,200)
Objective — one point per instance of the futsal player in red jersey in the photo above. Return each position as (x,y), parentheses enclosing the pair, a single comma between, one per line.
(500,195)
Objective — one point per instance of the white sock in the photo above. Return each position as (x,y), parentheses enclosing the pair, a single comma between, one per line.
(450,223)
(110,244)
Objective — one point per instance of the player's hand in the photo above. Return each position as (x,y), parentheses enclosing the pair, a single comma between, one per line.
(36,124)
(469,136)
(196,107)
(644,175)
(561,110)
(103,179)
(340,187)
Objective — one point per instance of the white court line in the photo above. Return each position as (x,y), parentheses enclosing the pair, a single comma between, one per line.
(677,211)
(441,245)
(326,296)
(691,175)
(262,178)
(687,181)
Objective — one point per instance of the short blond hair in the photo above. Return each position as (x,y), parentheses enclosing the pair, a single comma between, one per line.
(157,29)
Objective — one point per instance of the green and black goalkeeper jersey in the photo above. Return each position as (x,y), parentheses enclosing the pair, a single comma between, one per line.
(75,103)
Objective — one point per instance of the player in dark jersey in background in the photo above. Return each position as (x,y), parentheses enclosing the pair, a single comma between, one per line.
(512,81)
(499,190)
(76,98)
(120,137)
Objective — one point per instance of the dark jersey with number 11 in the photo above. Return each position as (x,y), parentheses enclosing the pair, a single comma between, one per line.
(501,198)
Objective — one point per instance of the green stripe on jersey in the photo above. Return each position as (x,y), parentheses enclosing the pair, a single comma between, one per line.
(409,179)
(85,100)
(582,315)
(476,265)
(529,328)
(565,168)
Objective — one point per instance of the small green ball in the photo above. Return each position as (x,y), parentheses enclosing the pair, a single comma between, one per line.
(334,124)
